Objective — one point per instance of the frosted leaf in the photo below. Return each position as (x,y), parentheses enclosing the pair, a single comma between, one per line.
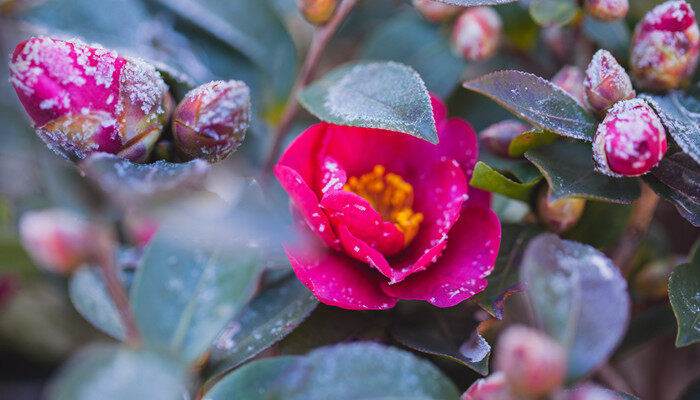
(383,95)
(684,292)
(89,296)
(680,114)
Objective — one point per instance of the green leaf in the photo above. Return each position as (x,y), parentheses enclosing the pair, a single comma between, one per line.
(568,168)
(680,114)
(271,316)
(684,292)
(579,298)
(384,95)
(352,371)
(538,101)
(448,332)
(89,296)
(518,169)
(590,230)
(108,372)
(488,179)
(410,39)
(687,205)
(189,286)
(178,82)
(553,12)
(529,140)
(505,278)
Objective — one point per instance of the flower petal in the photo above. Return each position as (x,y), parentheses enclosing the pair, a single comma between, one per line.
(460,271)
(303,155)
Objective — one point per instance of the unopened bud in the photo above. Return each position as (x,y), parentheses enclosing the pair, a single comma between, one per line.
(560,41)
(139,229)
(570,79)
(606,82)
(211,121)
(665,47)
(493,387)
(558,215)
(57,240)
(534,365)
(498,136)
(630,141)
(477,33)
(318,12)
(651,282)
(434,11)
(84,98)
(607,10)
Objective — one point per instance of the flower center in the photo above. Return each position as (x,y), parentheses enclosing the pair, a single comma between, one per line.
(391,196)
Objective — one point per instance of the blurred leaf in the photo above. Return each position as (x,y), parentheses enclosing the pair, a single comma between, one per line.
(384,95)
(189,286)
(14,260)
(343,372)
(530,139)
(538,101)
(679,172)
(108,372)
(553,12)
(475,2)
(687,206)
(684,292)
(568,168)
(90,297)
(271,316)
(132,182)
(505,277)
(579,298)
(519,29)
(488,179)
(448,332)
(591,231)
(178,83)
(614,36)
(410,39)
(680,114)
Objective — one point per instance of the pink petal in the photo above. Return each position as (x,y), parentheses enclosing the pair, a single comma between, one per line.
(478,197)
(459,273)
(303,155)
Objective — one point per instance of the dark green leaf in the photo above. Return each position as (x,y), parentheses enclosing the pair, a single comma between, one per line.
(384,95)
(538,101)
(488,179)
(579,298)
(518,169)
(553,12)
(353,371)
(684,292)
(568,168)
(590,230)
(679,172)
(89,296)
(530,139)
(680,114)
(687,206)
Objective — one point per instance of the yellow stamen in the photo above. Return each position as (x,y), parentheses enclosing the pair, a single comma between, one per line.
(391,196)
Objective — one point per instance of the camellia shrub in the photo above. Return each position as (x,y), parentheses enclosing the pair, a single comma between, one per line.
(350,199)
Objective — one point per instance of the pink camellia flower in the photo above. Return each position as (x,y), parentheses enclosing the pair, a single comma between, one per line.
(477,33)
(606,82)
(665,47)
(630,141)
(85,98)
(607,10)
(389,215)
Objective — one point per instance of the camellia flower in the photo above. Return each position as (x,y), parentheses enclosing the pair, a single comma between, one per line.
(630,141)
(434,11)
(84,98)
(318,12)
(498,136)
(477,33)
(212,119)
(607,10)
(570,79)
(665,47)
(606,82)
(389,215)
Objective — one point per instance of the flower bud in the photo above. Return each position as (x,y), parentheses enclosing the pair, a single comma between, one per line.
(84,98)
(434,11)
(665,47)
(498,136)
(477,33)
(570,79)
(559,215)
(559,41)
(606,82)
(318,12)
(211,121)
(607,10)
(493,387)
(630,141)
(57,240)
(651,282)
(139,229)
(534,365)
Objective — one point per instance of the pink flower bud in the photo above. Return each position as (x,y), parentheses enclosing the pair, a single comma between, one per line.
(630,141)
(56,239)
(606,82)
(607,10)
(665,47)
(434,11)
(139,229)
(559,215)
(318,12)
(477,33)
(493,387)
(560,41)
(498,136)
(211,121)
(534,365)
(84,98)
(570,79)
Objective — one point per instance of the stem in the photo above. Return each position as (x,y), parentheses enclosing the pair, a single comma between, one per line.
(322,35)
